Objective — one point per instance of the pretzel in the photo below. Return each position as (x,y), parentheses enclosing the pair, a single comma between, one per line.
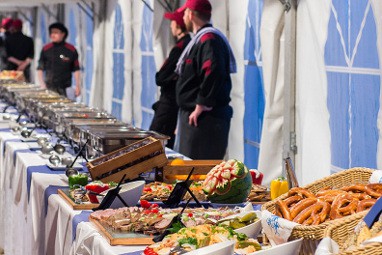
(290,201)
(329,195)
(375,186)
(374,190)
(358,188)
(365,204)
(360,196)
(282,210)
(297,208)
(343,204)
(301,192)
(314,214)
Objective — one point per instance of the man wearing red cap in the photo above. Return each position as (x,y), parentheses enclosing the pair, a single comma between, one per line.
(204,86)
(166,109)
(20,49)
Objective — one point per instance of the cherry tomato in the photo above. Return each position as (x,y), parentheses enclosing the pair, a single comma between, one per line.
(147,189)
(155,210)
(190,215)
(169,187)
(149,251)
(146,211)
(154,206)
(145,203)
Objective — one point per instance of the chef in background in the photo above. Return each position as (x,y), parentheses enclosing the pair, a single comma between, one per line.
(59,59)
(166,109)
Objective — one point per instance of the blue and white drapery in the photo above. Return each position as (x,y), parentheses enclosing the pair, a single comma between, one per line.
(338,78)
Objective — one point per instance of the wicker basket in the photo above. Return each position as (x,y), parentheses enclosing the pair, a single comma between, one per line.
(340,232)
(313,234)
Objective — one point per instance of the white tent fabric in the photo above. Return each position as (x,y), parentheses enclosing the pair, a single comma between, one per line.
(338,117)
(272,25)
(311,92)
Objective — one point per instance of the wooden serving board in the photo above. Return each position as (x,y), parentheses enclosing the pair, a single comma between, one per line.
(65,195)
(116,237)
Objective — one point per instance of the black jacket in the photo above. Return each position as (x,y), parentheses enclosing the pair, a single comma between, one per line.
(206,77)
(19,46)
(166,78)
(58,60)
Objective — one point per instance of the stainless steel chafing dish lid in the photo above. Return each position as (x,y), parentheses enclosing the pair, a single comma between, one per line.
(87,115)
(118,126)
(115,138)
(82,121)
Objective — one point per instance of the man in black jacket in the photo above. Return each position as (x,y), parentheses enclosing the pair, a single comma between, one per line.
(204,86)
(166,109)
(19,49)
(59,59)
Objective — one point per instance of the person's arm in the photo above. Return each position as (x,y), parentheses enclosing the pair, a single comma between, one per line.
(15,61)
(40,70)
(24,64)
(40,76)
(167,74)
(77,78)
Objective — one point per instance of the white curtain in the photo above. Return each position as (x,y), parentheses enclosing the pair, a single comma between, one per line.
(272,43)
(313,159)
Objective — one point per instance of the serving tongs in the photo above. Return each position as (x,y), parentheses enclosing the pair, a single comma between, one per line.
(176,219)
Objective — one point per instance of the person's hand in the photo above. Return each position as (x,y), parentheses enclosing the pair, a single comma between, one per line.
(193,118)
(78,91)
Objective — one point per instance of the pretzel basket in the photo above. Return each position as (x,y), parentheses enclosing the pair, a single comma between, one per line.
(341,231)
(313,234)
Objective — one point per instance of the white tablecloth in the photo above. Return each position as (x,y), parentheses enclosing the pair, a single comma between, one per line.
(25,227)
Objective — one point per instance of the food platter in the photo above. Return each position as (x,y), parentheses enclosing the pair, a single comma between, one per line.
(64,193)
(116,237)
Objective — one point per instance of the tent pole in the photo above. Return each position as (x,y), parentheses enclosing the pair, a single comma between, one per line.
(289,134)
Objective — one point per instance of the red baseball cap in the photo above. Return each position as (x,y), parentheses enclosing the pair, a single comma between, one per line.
(177,16)
(6,23)
(203,6)
(17,24)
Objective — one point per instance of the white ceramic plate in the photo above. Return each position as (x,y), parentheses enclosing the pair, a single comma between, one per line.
(224,248)
(289,248)
(130,192)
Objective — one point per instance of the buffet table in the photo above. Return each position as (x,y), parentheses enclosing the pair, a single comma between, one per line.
(34,219)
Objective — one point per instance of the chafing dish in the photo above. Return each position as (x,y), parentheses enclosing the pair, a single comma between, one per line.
(105,141)
(67,124)
(9,91)
(24,97)
(79,133)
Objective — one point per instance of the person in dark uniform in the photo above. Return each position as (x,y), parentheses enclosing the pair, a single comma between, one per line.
(4,33)
(19,49)
(166,109)
(204,86)
(59,59)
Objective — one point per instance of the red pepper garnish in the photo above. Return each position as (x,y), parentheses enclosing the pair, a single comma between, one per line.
(147,189)
(145,204)
(190,215)
(149,251)
(257,176)
(96,188)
